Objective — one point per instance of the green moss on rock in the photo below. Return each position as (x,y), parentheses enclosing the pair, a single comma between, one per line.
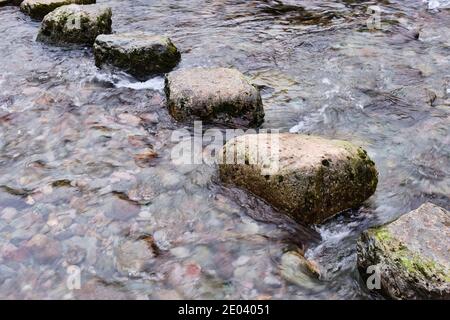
(75,24)
(413,254)
(314,179)
(137,53)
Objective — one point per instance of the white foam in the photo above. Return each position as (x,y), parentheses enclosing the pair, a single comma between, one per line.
(154,83)
(123,80)
(437,4)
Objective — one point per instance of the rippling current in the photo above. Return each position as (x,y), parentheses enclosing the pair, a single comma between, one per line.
(82,192)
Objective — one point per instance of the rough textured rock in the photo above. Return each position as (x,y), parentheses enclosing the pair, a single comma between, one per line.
(75,24)
(137,53)
(218,95)
(412,253)
(38,9)
(310,178)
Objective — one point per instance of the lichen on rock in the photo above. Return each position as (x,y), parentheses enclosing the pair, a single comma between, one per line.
(412,254)
(310,178)
(75,24)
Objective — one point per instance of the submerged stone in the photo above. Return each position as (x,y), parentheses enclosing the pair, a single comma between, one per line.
(75,24)
(133,256)
(38,9)
(412,254)
(137,53)
(217,95)
(308,177)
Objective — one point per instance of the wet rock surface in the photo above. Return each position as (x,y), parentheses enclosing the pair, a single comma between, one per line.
(308,177)
(218,95)
(412,254)
(75,24)
(38,9)
(137,53)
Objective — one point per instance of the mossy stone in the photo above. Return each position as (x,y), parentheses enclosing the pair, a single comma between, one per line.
(137,53)
(311,179)
(412,254)
(75,24)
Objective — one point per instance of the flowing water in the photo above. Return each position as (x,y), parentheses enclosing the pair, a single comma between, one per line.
(87,185)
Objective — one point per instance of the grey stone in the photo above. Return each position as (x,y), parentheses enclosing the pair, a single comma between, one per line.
(217,95)
(308,177)
(75,24)
(137,53)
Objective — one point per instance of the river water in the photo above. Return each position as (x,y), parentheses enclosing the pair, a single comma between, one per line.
(87,186)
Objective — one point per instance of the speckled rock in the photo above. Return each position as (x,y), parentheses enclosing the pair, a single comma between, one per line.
(75,24)
(217,95)
(37,9)
(412,253)
(137,53)
(309,178)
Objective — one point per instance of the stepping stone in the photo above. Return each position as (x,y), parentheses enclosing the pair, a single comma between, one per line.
(38,9)
(412,255)
(139,54)
(216,95)
(75,24)
(308,177)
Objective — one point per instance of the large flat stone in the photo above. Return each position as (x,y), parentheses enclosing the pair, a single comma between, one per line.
(38,9)
(217,95)
(309,178)
(137,53)
(413,254)
(75,24)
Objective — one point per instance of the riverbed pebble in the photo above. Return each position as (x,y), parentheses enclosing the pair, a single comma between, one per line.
(44,249)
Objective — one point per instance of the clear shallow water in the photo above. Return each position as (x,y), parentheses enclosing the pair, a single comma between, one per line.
(77,145)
